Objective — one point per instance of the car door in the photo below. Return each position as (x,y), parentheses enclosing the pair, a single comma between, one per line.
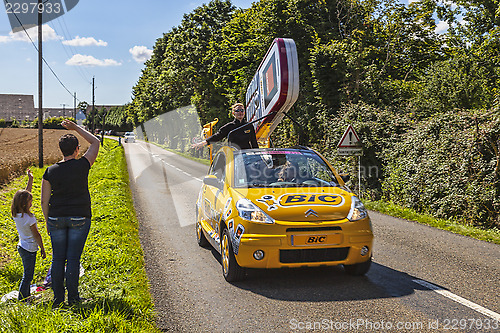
(212,195)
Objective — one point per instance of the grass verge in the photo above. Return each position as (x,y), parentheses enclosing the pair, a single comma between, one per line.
(389,208)
(115,280)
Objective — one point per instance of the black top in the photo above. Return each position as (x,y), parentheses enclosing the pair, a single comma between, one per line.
(70,192)
(243,138)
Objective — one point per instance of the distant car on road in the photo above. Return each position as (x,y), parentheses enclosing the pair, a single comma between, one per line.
(273,208)
(129,137)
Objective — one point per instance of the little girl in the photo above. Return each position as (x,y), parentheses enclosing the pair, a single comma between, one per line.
(29,237)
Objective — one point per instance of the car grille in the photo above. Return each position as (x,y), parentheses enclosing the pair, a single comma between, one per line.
(313,255)
(313,229)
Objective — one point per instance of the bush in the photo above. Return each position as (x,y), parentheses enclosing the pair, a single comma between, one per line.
(448,166)
(457,83)
(54,122)
(378,130)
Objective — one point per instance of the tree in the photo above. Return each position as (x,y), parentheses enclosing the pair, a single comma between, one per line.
(83,106)
(178,72)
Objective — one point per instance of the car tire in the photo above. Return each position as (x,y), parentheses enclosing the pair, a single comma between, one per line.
(200,236)
(358,269)
(230,269)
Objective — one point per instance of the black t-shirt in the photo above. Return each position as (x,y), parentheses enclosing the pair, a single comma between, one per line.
(70,192)
(243,138)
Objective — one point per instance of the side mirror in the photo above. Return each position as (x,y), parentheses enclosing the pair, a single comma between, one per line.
(212,180)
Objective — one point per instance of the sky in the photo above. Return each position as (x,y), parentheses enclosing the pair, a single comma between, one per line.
(107,40)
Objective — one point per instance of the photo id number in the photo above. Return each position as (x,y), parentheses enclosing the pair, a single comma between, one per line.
(478,324)
(33,7)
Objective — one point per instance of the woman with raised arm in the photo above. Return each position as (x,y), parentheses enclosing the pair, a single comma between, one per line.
(66,207)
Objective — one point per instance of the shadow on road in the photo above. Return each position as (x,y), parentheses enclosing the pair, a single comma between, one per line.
(320,284)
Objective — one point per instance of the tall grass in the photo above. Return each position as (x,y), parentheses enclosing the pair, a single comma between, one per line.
(115,280)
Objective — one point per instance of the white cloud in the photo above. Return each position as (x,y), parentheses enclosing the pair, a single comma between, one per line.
(441,27)
(140,53)
(85,41)
(87,60)
(47,34)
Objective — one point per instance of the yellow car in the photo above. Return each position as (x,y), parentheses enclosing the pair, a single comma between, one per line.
(272,208)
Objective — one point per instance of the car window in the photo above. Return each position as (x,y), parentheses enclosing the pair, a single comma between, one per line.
(218,167)
(319,170)
(286,168)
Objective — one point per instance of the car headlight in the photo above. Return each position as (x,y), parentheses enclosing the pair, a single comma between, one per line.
(358,210)
(250,212)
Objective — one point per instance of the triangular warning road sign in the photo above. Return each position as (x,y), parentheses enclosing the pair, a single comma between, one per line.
(350,139)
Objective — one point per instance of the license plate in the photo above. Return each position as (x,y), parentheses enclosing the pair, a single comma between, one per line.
(311,240)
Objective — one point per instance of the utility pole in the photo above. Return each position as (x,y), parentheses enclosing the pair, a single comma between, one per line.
(93,106)
(74,107)
(105,112)
(40,104)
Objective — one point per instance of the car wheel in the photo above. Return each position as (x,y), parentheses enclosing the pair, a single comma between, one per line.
(358,269)
(230,268)
(200,236)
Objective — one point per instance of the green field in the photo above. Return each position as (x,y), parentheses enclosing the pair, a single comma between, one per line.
(115,280)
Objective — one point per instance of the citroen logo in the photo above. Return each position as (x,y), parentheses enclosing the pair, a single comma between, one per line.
(310,212)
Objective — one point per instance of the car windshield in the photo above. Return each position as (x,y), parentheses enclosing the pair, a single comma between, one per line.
(281,168)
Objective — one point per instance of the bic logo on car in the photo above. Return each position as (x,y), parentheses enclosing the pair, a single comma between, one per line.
(316,239)
(311,199)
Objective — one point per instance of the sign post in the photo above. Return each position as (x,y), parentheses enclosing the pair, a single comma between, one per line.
(350,145)
(273,89)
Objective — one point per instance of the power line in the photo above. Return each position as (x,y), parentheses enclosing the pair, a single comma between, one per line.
(83,69)
(72,52)
(69,52)
(36,48)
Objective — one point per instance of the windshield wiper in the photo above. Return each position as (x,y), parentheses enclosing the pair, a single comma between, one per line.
(254,185)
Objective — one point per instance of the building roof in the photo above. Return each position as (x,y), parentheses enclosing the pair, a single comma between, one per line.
(19,107)
(56,112)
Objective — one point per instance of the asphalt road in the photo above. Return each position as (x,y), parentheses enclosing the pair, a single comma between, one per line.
(422,279)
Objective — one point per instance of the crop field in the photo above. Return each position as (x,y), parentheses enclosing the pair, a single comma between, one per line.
(19,149)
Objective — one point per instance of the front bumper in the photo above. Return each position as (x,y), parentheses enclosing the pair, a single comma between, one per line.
(288,244)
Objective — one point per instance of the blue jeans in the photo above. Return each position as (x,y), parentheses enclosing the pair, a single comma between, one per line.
(68,236)
(29,259)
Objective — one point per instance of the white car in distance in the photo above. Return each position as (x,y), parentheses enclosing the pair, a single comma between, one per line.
(129,137)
